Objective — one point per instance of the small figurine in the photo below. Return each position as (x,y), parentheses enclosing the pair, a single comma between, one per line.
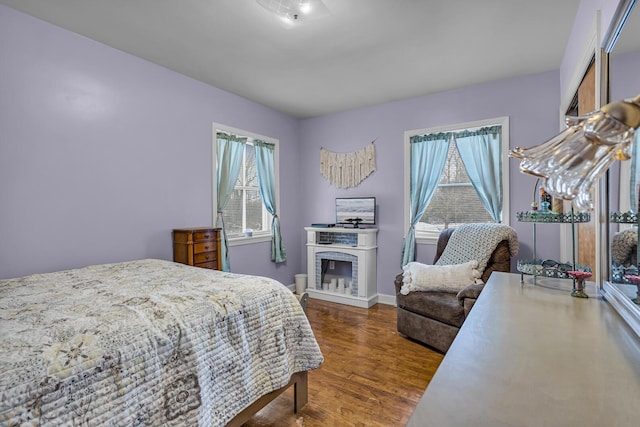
(544,207)
(578,288)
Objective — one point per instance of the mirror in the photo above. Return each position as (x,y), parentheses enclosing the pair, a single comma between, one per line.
(622,51)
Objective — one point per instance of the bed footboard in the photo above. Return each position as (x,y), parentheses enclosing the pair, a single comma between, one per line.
(299,380)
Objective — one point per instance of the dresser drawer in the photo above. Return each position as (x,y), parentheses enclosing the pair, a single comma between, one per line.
(204,257)
(213,265)
(199,248)
(203,236)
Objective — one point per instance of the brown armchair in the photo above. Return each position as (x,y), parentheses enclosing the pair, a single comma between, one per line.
(434,317)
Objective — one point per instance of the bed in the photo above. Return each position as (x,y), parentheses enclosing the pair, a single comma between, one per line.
(148,342)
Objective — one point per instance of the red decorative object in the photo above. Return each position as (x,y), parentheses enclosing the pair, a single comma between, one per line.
(578,285)
(583,274)
(633,279)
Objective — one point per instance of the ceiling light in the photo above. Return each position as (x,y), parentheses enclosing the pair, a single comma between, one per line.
(289,10)
(305,7)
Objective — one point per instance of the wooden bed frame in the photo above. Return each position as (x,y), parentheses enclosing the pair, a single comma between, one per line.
(299,380)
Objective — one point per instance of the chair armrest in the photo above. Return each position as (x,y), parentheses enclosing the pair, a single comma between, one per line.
(500,260)
(467,297)
(398,283)
(471,291)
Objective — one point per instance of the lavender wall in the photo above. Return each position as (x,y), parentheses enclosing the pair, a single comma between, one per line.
(531,102)
(102,154)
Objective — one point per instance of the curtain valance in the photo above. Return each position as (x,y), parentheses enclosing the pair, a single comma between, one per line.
(488,130)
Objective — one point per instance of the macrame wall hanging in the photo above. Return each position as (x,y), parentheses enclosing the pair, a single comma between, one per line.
(345,170)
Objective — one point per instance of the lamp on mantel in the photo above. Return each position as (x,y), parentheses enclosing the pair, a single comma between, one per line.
(570,162)
(291,11)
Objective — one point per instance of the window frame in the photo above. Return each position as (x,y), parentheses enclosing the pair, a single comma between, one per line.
(259,236)
(431,238)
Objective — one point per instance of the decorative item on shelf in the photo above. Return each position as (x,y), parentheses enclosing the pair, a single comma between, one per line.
(549,268)
(545,197)
(636,281)
(545,208)
(620,273)
(541,207)
(557,205)
(570,162)
(578,285)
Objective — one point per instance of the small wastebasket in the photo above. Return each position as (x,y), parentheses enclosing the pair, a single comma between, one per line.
(301,283)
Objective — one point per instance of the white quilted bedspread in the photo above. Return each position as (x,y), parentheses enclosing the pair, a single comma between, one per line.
(145,343)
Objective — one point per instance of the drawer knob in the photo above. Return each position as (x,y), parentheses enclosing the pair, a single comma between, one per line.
(206,247)
(206,236)
(206,257)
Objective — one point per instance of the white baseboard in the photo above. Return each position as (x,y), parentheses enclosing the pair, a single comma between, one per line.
(382,298)
(387,299)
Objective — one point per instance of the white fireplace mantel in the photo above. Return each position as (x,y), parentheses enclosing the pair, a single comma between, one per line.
(356,249)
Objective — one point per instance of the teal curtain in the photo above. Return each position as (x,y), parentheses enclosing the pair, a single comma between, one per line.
(229,163)
(428,157)
(480,153)
(634,196)
(266,180)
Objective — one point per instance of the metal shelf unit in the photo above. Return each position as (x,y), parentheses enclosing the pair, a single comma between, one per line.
(539,269)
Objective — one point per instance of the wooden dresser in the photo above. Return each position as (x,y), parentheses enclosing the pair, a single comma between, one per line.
(197,246)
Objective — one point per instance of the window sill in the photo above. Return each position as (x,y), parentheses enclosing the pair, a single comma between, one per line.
(426,240)
(241,240)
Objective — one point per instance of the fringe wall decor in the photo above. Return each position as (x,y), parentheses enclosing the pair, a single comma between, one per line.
(345,170)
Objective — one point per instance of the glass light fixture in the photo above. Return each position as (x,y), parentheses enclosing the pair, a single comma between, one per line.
(570,162)
(288,10)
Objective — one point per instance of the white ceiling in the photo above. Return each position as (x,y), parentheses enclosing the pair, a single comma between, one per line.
(360,53)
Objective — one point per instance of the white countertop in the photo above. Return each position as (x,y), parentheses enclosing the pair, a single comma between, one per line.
(532,355)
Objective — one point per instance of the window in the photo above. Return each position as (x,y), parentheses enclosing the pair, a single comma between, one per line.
(245,209)
(455,200)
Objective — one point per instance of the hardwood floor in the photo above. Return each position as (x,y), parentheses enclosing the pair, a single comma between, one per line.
(371,376)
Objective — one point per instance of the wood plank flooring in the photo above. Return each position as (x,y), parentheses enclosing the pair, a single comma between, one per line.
(371,376)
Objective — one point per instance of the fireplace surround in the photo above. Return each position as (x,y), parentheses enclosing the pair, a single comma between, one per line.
(341,265)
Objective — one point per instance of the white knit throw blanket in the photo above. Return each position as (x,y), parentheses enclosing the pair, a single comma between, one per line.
(477,242)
